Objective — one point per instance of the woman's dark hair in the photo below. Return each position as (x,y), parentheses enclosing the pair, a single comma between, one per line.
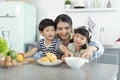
(63,18)
(83,32)
(45,23)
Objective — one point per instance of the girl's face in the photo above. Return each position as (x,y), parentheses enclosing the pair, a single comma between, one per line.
(63,30)
(49,32)
(79,40)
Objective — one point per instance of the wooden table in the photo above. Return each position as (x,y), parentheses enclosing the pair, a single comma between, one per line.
(90,71)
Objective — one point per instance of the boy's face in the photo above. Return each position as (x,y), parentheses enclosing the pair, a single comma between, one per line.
(79,40)
(49,32)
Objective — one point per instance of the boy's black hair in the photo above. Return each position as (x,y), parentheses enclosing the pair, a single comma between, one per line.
(45,23)
(83,32)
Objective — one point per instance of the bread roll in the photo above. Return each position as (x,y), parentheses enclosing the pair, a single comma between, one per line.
(44,59)
(52,57)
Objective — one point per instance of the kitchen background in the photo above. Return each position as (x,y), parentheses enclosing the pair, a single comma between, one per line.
(109,20)
(106,19)
(23,23)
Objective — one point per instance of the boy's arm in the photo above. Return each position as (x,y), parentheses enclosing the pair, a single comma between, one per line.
(30,52)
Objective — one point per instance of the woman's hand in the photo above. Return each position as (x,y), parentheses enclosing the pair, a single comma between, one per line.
(89,51)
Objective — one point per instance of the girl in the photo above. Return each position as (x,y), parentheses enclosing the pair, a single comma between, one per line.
(80,41)
(63,24)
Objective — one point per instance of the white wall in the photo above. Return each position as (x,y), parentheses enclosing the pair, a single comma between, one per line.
(108,20)
(48,8)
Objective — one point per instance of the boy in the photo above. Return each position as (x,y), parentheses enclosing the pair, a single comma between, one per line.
(49,43)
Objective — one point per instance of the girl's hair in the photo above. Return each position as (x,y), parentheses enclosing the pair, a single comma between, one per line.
(45,23)
(81,30)
(63,18)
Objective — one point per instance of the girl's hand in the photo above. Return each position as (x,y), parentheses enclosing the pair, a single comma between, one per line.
(88,52)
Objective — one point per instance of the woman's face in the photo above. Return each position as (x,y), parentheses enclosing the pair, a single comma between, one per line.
(79,40)
(63,30)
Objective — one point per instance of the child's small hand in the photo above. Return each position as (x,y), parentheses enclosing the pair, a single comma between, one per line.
(89,52)
(79,55)
(66,55)
(70,54)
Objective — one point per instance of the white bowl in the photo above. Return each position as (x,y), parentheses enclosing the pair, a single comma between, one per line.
(75,62)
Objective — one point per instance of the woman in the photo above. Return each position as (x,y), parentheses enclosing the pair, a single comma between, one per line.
(63,24)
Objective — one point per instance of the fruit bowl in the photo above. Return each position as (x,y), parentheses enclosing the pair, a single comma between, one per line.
(75,62)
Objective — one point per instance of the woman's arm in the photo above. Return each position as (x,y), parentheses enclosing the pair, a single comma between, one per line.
(30,52)
(95,49)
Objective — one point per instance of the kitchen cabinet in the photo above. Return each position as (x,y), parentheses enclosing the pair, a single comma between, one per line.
(110,56)
(115,51)
(20,19)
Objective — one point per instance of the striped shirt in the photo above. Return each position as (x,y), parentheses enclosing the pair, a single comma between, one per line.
(53,48)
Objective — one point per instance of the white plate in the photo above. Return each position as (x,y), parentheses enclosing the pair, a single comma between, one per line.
(25,62)
(49,64)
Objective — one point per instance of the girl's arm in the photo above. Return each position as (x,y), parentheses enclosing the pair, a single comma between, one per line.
(30,52)
(95,50)
(89,51)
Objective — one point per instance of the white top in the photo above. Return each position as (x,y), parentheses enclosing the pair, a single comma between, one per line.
(71,47)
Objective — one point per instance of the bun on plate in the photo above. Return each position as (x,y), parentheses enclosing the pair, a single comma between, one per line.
(50,57)
(44,59)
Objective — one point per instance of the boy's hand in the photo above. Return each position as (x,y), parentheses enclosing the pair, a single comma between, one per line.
(68,54)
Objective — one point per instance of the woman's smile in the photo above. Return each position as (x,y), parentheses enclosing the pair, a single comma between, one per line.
(63,30)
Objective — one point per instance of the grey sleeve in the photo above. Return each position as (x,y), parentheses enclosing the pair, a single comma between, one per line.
(58,43)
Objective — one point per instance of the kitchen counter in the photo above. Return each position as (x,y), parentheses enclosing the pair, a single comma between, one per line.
(112,56)
(90,71)
(111,46)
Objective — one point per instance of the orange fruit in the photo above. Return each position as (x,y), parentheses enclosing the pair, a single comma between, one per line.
(20,57)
